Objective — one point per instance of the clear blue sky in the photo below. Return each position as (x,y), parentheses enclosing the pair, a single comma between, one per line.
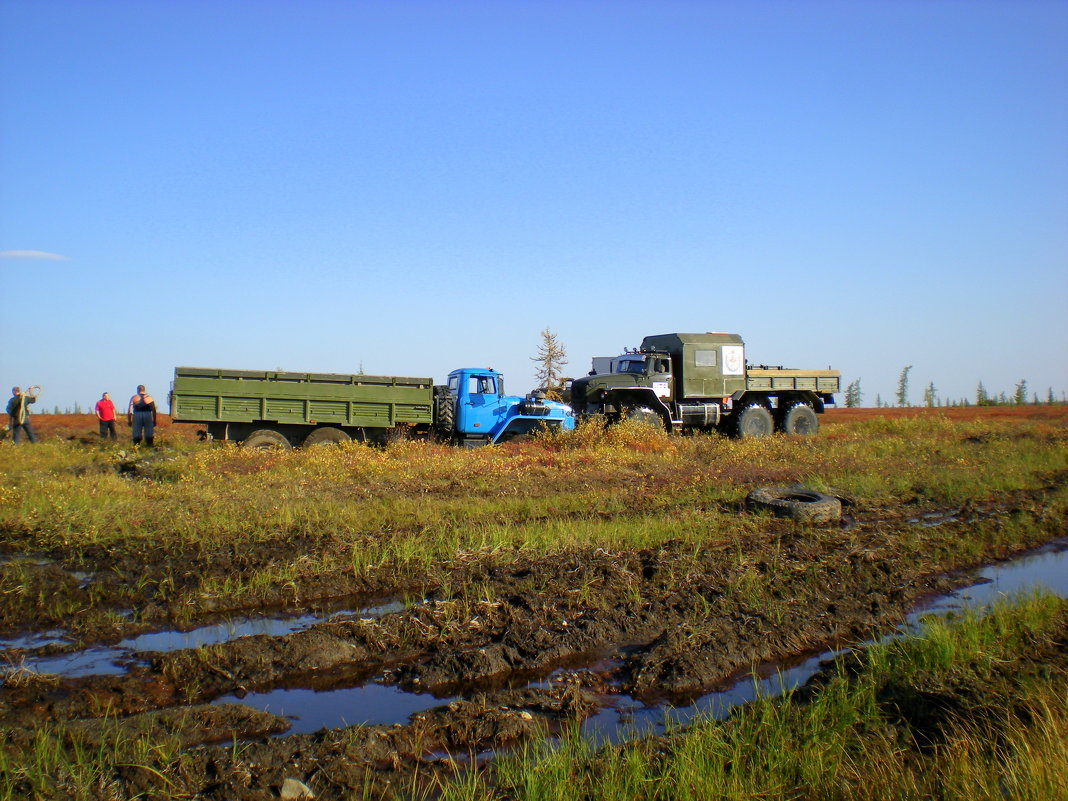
(409,187)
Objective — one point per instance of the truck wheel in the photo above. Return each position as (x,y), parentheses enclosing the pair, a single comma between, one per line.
(800,419)
(326,436)
(445,416)
(754,421)
(795,503)
(265,438)
(644,415)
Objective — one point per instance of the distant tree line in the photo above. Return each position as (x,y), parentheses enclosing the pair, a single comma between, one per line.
(66,410)
(1021,396)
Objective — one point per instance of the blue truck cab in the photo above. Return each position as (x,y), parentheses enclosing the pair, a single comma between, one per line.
(484,414)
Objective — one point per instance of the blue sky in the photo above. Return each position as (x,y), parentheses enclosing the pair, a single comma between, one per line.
(408,187)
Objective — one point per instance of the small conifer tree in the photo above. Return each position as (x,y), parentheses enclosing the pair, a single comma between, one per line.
(903,386)
(929,396)
(853,395)
(1020,398)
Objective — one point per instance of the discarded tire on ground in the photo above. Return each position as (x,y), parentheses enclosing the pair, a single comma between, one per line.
(795,503)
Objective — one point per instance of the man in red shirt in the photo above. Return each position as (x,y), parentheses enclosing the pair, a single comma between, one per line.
(105,413)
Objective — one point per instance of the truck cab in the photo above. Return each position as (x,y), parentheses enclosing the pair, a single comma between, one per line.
(641,385)
(484,414)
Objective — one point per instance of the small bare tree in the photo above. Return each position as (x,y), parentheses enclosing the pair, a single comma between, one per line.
(552,356)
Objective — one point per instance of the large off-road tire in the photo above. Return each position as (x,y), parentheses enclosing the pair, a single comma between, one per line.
(800,419)
(643,415)
(326,435)
(753,421)
(795,503)
(444,416)
(265,438)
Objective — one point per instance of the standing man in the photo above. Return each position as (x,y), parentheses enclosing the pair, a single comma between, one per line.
(19,413)
(141,415)
(105,414)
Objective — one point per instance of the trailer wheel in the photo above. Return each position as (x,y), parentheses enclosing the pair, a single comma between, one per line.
(327,435)
(800,419)
(754,421)
(795,503)
(265,438)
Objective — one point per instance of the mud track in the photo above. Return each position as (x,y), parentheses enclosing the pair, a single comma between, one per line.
(515,653)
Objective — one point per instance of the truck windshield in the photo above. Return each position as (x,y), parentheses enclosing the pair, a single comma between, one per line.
(633,367)
(482,385)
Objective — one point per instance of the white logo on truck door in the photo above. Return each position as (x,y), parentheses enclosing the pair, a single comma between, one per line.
(662,389)
(733,360)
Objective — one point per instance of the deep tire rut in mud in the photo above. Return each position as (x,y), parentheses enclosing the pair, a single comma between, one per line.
(513,646)
(670,623)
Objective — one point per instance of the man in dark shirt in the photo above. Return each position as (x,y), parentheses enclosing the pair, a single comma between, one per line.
(18,411)
(141,415)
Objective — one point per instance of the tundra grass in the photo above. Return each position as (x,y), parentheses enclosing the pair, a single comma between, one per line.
(57,762)
(203,521)
(975,708)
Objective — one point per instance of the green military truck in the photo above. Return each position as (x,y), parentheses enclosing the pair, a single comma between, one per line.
(702,382)
(281,409)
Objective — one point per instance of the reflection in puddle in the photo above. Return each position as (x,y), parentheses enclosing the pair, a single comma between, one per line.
(1046,567)
(90,662)
(626,718)
(35,640)
(311,710)
(118,658)
(622,718)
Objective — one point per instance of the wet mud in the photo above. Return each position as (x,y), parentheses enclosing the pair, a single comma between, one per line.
(535,645)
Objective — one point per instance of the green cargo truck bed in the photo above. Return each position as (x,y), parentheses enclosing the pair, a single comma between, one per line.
(201,394)
(777,379)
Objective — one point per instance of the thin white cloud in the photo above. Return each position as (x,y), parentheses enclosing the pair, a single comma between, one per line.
(38,255)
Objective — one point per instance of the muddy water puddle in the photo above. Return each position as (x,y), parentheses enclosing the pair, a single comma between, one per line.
(116,659)
(624,717)
(311,710)
(350,701)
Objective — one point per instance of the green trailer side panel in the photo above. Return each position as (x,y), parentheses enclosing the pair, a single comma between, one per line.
(284,409)
(243,409)
(773,380)
(243,396)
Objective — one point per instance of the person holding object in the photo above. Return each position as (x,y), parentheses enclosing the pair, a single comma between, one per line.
(141,415)
(105,414)
(18,411)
